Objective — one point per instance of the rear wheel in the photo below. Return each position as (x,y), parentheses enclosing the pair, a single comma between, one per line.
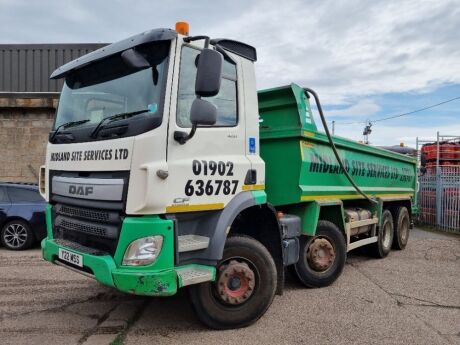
(16,235)
(401,221)
(244,288)
(382,247)
(322,257)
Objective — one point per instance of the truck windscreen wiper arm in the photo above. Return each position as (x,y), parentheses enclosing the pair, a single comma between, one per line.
(67,125)
(115,117)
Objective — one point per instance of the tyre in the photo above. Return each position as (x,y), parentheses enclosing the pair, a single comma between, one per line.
(382,247)
(244,288)
(16,235)
(401,221)
(322,257)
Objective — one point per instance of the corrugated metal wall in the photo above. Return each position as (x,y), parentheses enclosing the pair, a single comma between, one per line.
(27,67)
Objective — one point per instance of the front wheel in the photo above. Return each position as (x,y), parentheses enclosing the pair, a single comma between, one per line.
(322,257)
(244,288)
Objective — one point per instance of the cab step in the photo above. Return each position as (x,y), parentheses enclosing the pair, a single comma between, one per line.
(188,243)
(194,275)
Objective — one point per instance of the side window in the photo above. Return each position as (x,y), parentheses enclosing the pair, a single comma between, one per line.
(22,195)
(3,196)
(225,100)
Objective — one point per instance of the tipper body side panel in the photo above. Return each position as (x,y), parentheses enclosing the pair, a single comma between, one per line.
(300,164)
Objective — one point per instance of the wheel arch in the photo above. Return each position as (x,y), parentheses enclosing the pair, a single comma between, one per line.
(395,204)
(245,214)
(260,222)
(312,212)
(13,218)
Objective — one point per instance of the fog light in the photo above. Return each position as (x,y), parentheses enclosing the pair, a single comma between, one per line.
(143,251)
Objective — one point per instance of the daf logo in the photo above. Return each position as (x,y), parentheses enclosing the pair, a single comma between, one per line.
(80,190)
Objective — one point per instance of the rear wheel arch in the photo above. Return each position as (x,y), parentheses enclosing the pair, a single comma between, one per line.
(333,214)
(312,212)
(393,207)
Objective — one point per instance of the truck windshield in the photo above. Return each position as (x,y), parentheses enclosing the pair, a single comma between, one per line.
(110,87)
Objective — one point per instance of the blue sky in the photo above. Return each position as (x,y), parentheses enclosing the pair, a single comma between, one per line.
(445,117)
(366,59)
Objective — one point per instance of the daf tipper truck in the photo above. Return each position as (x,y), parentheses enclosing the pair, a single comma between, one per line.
(165,169)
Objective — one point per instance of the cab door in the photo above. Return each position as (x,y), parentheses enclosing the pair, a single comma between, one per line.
(207,171)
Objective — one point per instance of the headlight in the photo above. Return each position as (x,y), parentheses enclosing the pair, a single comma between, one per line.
(143,251)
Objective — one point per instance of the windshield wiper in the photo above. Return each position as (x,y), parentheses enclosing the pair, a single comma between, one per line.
(67,125)
(115,117)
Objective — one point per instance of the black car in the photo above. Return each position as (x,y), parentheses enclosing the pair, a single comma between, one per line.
(22,215)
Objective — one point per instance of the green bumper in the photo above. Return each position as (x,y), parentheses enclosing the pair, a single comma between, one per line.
(157,279)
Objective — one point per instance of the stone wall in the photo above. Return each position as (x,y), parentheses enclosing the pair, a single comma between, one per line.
(25,123)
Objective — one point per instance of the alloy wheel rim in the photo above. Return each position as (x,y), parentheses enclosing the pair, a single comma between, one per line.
(15,235)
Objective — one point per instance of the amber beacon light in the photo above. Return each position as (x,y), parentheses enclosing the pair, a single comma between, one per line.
(182,28)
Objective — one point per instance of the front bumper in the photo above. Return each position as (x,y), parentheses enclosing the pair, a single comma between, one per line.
(157,279)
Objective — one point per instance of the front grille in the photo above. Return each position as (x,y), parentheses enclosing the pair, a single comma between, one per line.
(93,223)
(93,228)
(79,227)
(96,215)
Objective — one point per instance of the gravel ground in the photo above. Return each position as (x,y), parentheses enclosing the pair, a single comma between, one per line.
(411,297)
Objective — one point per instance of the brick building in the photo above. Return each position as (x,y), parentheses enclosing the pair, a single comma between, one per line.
(28,101)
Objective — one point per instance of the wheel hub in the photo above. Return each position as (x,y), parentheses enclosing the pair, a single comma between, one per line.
(236,282)
(320,254)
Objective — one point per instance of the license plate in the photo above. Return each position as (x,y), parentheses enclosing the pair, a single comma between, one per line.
(70,257)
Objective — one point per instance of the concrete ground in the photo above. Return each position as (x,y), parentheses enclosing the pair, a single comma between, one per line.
(411,297)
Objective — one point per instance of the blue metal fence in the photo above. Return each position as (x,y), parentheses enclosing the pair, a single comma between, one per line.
(439,198)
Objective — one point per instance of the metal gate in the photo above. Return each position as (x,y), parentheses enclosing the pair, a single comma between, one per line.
(439,198)
(439,192)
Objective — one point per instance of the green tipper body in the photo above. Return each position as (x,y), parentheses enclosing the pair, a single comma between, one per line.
(300,164)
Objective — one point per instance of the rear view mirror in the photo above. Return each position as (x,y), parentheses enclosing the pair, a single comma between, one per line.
(203,113)
(209,73)
(134,59)
(207,84)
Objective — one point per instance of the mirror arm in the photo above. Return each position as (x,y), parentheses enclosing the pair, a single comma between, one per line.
(196,38)
(183,137)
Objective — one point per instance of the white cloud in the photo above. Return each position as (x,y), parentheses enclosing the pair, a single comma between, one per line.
(344,49)
(353,48)
(362,108)
(348,51)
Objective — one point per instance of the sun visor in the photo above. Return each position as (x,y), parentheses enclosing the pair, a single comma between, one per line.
(114,48)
